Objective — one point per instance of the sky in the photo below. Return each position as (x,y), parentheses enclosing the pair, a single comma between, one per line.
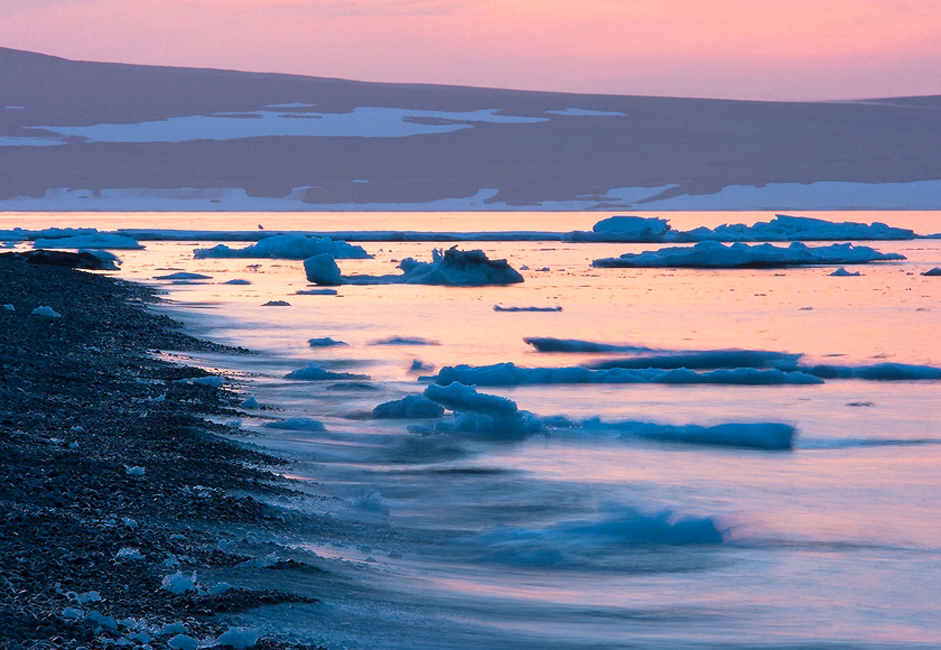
(792,50)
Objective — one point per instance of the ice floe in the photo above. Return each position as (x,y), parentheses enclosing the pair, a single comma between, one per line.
(888,371)
(550,344)
(183,275)
(451,267)
(933,272)
(404,340)
(91,241)
(286,247)
(316,292)
(526,309)
(315,372)
(324,342)
(509,374)
(705,360)
(714,255)
(753,435)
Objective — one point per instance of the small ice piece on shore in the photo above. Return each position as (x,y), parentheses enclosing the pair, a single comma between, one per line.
(220,588)
(287,247)
(183,275)
(110,261)
(519,309)
(9,307)
(714,255)
(277,303)
(296,424)
(316,292)
(237,281)
(314,372)
(843,273)
(72,613)
(936,271)
(88,597)
(240,639)
(179,583)
(409,407)
(128,522)
(211,380)
(171,562)
(129,553)
(404,340)
(249,403)
(134,471)
(176,627)
(183,642)
(324,342)
(46,312)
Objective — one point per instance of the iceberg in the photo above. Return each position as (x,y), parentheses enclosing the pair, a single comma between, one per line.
(451,267)
(286,247)
(509,374)
(714,255)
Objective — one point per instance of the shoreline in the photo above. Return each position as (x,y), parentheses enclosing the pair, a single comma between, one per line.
(113,479)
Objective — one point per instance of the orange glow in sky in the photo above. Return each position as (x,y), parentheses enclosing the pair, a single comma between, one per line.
(745,49)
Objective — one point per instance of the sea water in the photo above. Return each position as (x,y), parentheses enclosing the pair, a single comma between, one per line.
(580,537)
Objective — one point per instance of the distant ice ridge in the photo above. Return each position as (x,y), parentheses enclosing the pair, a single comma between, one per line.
(714,255)
(781,228)
(451,267)
(594,543)
(509,374)
(286,247)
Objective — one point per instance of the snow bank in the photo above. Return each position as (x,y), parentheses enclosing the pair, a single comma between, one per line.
(452,267)
(313,372)
(549,344)
(594,542)
(286,247)
(758,435)
(508,374)
(92,240)
(409,407)
(711,254)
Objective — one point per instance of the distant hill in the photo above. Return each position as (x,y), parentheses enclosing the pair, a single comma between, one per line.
(81,135)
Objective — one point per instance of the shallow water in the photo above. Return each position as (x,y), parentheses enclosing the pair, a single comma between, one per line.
(583,538)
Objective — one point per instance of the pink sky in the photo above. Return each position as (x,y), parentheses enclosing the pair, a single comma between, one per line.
(743,49)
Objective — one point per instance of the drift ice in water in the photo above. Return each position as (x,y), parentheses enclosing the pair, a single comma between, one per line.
(550,344)
(95,240)
(751,435)
(286,247)
(452,268)
(713,255)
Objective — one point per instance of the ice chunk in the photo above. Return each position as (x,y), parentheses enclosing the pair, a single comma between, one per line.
(711,254)
(324,342)
(183,275)
(88,597)
(220,588)
(452,267)
(249,403)
(183,642)
(933,272)
(287,247)
(46,312)
(237,281)
(129,553)
(296,424)
(843,273)
(549,344)
(411,406)
(277,303)
(9,307)
(109,261)
(212,380)
(404,340)
(316,292)
(322,269)
(90,240)
(509,374)
(134,471)
(462,397)
(314,372)
(239,638)
(179,583)
(878,372)
(518,309)
(793,228)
